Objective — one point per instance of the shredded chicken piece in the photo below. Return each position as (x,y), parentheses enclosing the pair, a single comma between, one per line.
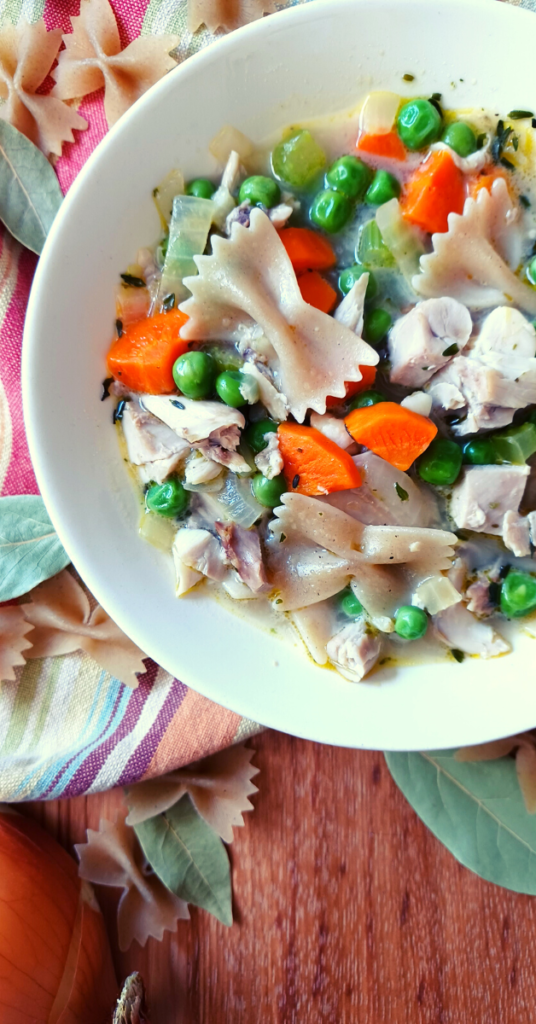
(274,402)
(199,551)
(151,444)
(250,277)
(222,200)
(269,462)
(478,598)
(472,260)
(350,311)
(333,428)
(243,550)
(468,164)
(426,339)
(280,214)
(418,402)
(461,631)
(200,470)
(212,427)
(484,494)
(354,650)
(516,533)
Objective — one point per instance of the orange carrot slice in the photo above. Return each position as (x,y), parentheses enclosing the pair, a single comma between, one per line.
(313,464)
(391,431)
(433,191)
(387,145)
(307,250)
(353,387)
(317,291)
(143,357)
(477,182)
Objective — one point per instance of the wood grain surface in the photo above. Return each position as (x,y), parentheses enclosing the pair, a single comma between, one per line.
(347,910)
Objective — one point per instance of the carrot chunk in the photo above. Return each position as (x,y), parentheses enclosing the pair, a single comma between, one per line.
(313,464)
(353,387)
(143,357)
(317,291)
(307,250)
(477,182)
(388,145)
(433,191)
(391,431)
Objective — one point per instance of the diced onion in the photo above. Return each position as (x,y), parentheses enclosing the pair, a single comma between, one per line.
(435,595)
(403,240)
(188,233)
(378,113)
(227,139)
(164,194)
(239,502)
(157,531)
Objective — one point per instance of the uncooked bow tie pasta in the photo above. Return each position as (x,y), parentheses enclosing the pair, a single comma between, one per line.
(325,381)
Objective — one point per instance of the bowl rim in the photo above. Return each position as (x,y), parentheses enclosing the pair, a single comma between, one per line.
(168,83)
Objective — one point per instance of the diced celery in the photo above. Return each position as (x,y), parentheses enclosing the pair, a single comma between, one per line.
(516,444)
(371,249)
(401,238)
(188,233)
(298,159)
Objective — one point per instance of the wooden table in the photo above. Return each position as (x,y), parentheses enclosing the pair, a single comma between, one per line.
(347,911)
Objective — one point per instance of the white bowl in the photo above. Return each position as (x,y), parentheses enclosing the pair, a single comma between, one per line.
(308,60)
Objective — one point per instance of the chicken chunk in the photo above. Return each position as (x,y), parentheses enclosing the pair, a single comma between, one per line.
(350,311)
(418,402)
(426,338)
(269,462)
(201,551)
(151,445)
(485,494)
(516,533)
(461,631)
(354,650)
(479,601)
(243,551)
(212,427)
(333,428)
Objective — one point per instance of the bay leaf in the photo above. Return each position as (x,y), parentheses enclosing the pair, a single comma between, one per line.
(30,195)
(476,810)
(30,549)
(189,858)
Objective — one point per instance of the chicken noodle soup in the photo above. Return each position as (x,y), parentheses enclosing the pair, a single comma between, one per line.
(325,375)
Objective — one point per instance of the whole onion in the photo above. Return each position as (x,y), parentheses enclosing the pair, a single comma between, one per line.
(55,960)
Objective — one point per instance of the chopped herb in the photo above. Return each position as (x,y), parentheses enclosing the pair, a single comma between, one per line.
(503,571)
(119,410)
(435,101)
(424,368)
(155,193)
(494,593)
(515,142)
(533,122)
(480,140)
(178,405)
(408,78)
(507,163)
(119,328)
(169,302)
(282,538)
(132,281)
(451,350)
(502,135)
(106,388)
(402,494)
(525,201)
(279,600)
(296,481)
(520,115)
(457,655)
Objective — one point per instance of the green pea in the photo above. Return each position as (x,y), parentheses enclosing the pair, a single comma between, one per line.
(375,325)
(228,388)
(460,137)
(441,462)
(349,175)
(168,499)
(352,274)
(194,374)
(298,159)
(260,190)
(268,492)
(366,398)
(479,452)
(411,623)
(384,187)
(349,604)
(518,595)
(531,271)
(256,434)
(418,124)
(201,188)
(330,210)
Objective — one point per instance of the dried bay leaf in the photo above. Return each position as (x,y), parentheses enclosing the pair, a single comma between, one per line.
(30,550)
(476,810)
(30,195)
(219,786)
(189,858)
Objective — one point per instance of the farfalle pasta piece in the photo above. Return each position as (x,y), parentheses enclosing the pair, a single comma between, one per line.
(249,279)
(61,614)
(93,58)
(27,53)
(315,549)
(113,856)
(524,746)
(219,787)
(471,261)
(13,641)
(226,14)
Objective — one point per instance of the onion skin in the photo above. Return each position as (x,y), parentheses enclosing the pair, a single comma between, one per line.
(55,961)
